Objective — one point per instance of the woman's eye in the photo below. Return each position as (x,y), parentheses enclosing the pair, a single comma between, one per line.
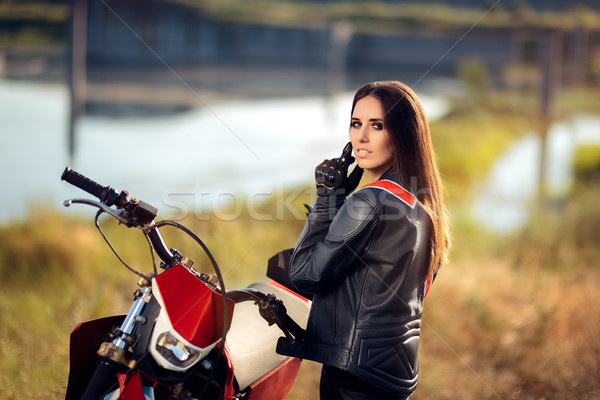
(377,125)
(355,124)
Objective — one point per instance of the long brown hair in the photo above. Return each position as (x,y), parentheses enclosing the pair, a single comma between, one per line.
(415,163)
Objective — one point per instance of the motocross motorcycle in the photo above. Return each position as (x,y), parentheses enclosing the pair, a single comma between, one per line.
(185,336)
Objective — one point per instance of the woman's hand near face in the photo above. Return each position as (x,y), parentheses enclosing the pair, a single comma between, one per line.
(332,177)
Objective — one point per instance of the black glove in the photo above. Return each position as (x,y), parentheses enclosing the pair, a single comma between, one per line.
(332,175)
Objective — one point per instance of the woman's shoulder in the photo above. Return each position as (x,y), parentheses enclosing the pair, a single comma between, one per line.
(389,202)
(385,187)
(388,186)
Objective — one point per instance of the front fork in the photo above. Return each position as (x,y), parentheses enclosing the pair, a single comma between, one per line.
(115,355)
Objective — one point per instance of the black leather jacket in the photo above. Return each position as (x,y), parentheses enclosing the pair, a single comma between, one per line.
(365,261)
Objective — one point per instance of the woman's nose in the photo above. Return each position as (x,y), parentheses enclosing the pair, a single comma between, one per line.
(363,134)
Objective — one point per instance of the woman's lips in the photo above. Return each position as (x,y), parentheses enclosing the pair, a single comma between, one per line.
(362,153)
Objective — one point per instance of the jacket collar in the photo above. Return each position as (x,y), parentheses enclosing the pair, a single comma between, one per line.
(389,175)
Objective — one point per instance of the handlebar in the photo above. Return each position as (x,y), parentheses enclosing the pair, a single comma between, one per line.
(129,212)
(84,183)
(106,194)
(134,213)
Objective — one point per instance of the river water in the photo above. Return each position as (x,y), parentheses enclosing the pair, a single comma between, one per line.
(237,152)
(240,151)
(503,202)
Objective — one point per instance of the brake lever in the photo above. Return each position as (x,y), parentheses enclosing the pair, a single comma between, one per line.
(117,214)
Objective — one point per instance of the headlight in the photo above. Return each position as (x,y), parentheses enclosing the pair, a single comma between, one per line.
(175,351)
(190,322)
(170,350)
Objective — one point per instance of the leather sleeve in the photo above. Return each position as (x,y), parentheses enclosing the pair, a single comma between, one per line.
(327,246)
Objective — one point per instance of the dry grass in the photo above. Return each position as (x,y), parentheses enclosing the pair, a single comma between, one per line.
(492,328)
(495,332)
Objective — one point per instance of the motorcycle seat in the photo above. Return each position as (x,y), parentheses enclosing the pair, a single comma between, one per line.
(251,341)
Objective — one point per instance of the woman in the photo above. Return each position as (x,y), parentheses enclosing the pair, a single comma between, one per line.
(368,260)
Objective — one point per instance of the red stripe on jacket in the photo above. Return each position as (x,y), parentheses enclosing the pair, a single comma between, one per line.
(395,189)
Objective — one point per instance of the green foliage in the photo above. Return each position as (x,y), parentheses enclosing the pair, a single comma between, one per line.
(33,11)
(467,142)
(474,74)
(383,17)
(579,99)
(389,17)
(25,24)
(586,165)
(45,246)
(54,275)
(563,234)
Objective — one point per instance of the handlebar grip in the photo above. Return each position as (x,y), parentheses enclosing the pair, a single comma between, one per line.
(84,183)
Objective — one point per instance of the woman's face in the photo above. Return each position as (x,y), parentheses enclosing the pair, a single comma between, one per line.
(369,137)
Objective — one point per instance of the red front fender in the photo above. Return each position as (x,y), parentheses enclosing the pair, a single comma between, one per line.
(85,340)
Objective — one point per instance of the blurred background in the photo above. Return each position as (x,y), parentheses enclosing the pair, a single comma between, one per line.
(216,112)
